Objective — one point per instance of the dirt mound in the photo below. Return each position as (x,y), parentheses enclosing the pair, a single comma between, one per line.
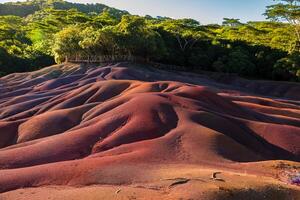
(78,125)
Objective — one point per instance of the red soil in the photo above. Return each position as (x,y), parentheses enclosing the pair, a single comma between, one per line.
(77,128)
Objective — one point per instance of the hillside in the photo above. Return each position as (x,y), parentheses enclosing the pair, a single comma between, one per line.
(126,131)
(23,9)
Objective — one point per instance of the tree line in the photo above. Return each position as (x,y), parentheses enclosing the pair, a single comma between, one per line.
(264,50)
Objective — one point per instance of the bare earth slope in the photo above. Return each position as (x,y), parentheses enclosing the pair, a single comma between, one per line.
(125,132)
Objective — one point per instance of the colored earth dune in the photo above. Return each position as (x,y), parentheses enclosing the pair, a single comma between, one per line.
(125,131)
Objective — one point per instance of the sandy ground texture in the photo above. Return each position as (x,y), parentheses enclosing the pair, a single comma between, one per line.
(126,131)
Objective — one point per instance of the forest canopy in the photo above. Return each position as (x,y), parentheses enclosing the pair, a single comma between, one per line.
(34,34)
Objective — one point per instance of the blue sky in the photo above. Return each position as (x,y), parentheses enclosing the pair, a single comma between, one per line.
(205,11)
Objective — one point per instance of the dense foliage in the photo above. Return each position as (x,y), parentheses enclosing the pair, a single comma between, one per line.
(42,30)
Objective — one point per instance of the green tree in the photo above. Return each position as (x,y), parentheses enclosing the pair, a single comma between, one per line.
(289,11)
(232,22)
(287,68)
(139,39)
(66,43)
(103,41)
(239,62)
(186,32)
(104,19)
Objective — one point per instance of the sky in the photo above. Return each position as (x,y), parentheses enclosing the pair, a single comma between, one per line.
(205,11)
